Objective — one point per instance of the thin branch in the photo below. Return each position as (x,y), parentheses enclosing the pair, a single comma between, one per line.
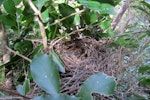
(58,21)
(120,14)
(12,92)
(22,56)
(80,30)
(40,22)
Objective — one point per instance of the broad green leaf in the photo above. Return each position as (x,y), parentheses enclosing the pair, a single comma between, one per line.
(17,1)
(56,97)
(25,88)
(112,2)
(45,15)
(107,9)
(55,57)
(103,8)
(9,6)
(93,5)
(97,83)
(45,73)
(40,3)
(66,10)
(8,20)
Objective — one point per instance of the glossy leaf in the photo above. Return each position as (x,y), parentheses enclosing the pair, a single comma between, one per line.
(56,97)
(97,83)
(55,57)
(24,89)
(9,6)
(45,73)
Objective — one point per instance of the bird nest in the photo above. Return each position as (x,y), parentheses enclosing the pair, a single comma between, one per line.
(83,57)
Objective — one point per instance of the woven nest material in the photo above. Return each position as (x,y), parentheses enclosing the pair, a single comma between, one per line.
(83,57)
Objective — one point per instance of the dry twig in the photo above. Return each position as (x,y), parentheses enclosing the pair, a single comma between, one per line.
(39,18)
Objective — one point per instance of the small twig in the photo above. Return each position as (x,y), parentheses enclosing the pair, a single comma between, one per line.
(57,21)
(120,14)
(40,22)
(80,30)
(22,56)
(12,92)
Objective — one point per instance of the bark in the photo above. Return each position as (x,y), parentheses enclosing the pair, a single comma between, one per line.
(120,14)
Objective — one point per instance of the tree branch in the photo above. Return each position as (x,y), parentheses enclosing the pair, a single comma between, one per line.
(40,22)
(120,14)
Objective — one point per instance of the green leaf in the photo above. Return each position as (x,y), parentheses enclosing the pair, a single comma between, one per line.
(144,69)
(45,73)
(17,2)
(77,19)
(145,81)
(45,15)
(93,5)
(97,83)
(36,50)
(23,46)
(25,88)
(104,25)
(8,20)
(1,1)
(40,3)
(107,9)
(55,57)
(9,6)
(66,10)
(56,97)
(103,8)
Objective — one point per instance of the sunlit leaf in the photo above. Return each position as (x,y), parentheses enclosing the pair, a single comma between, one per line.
(45,73)
(77,19)
(97,83)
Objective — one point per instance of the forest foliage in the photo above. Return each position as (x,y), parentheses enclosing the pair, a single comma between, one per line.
(49,21)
